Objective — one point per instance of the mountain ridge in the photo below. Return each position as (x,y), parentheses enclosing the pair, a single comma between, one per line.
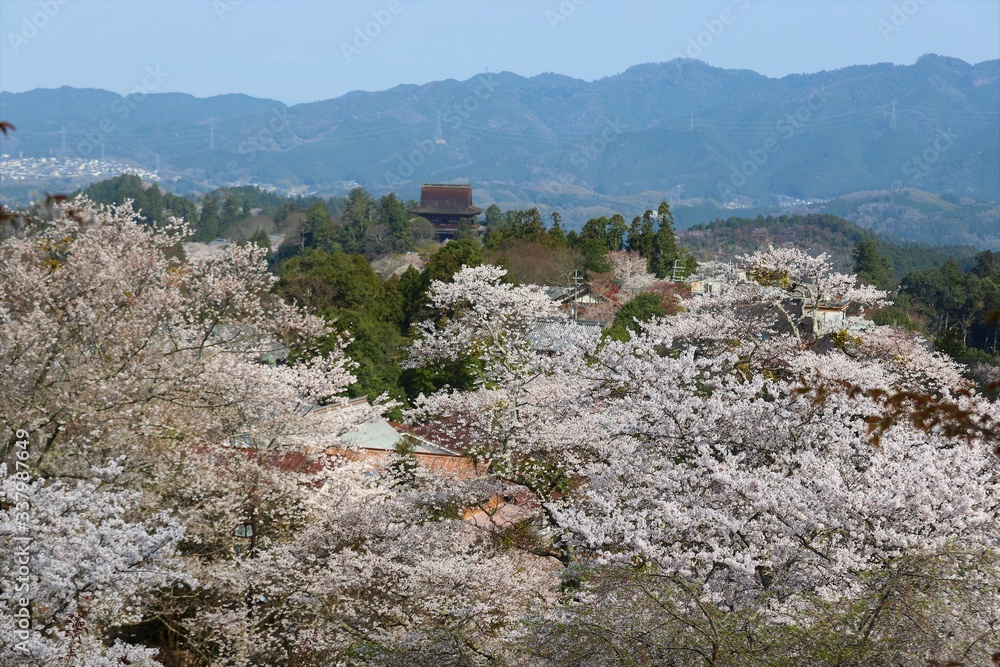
(680,130)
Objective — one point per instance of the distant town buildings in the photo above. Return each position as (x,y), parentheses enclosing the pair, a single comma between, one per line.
(785,201)
(30,169)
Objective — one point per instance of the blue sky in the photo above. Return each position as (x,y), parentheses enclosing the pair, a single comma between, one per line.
(312,50)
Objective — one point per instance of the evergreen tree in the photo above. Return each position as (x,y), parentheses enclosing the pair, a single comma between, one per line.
(617,229)
(358,217)
(208,220)
(320,230)
(494,216)
(593,243)
(665,251)
(230,212)
(640,235)
(557,237)
(641,308)
(464,230)
(392,213)
(450,259)
(872,267)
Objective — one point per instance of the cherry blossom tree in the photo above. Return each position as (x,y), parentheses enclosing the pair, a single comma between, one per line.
(216,528)
(629,270)
(811,280)
(109,345)
(721,489)
(380,574)
(75,565)
(519,422)
(116,354)
(760,499)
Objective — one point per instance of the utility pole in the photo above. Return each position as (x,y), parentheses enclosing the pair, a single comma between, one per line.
(576,293)
(438,134)
(892,121)
(211,137)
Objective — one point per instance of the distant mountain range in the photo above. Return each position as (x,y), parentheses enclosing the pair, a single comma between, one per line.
(699,136)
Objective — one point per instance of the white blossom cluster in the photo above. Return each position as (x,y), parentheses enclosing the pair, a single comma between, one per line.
(726,487)
(722,459)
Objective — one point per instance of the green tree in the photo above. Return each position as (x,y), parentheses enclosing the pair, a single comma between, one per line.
(642,307)
(872,267)
(464,230)
(664,251)
(617,231)
(392,213)
(320,229)
(344,290)
(557,236)
(208,220)
(987,265)
(230,212)
(640,235)
(447,261)
(410,290)
(494,216)
(593,243)
(358,216)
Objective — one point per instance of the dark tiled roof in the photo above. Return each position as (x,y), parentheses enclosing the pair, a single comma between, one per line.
(446,200)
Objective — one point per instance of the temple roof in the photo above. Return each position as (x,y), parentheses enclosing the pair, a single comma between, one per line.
(444,199)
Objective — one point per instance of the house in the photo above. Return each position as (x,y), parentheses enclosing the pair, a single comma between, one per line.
(829,317)
(714,277)
(709,286)
(576,300)
(551,336)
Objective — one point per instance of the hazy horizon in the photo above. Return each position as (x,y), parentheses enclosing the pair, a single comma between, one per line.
(299,52)
(473,76)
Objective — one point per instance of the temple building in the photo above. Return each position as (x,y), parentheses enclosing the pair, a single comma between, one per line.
(445,205)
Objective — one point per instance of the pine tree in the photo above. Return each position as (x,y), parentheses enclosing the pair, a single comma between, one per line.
(665,251)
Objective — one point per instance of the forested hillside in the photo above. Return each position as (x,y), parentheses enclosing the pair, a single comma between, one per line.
(946,219)
(679,130)
(315,237)
(816,233)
